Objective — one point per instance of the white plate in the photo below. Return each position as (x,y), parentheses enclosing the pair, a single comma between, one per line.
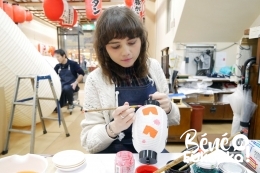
(68,158)
(79,169)
(68,167)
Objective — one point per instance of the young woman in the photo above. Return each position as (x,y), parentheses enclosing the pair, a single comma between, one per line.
(126,77)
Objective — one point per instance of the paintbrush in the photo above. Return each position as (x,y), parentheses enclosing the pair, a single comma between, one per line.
(112,108)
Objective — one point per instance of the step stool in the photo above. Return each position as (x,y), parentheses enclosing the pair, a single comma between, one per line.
(36,105)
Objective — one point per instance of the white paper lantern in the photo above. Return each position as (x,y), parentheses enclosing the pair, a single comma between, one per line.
(18,56)
(150,132)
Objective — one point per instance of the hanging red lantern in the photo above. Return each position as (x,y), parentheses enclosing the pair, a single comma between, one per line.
(1,4)
(8,8)
(19,14)
(129,3)
(75,19)
(51,50)
(54,9)
(29,16)
(93,9)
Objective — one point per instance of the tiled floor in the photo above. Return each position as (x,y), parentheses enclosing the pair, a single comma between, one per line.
(55,140)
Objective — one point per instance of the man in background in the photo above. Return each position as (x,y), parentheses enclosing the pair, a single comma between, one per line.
(70,75)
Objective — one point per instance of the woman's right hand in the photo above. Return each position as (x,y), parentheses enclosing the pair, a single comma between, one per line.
(123,116)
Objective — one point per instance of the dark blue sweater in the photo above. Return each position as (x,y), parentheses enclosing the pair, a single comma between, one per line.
(74,68)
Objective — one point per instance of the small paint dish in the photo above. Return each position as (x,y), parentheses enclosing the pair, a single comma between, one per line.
(230,167)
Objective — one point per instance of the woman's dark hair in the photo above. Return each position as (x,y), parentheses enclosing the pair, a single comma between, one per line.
(61,52)
(119,23)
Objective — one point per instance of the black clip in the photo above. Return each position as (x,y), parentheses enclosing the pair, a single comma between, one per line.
(150,101)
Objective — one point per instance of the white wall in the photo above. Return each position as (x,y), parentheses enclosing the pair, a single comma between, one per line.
(164,39)
(150,27)
(38,32)
(256,22)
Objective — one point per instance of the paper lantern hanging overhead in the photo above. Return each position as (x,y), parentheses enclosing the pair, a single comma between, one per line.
(29,16)
(51,50)
(54,9)
(93,9)
(19,14)
(1,4)
(129,3)
(73,22)
(138,6)
(8,8)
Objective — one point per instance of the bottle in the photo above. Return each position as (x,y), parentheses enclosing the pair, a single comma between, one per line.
(124,162)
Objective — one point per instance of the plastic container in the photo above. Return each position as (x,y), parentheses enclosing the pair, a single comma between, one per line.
(175,169)
(145,169)
(205,167)
(197,117)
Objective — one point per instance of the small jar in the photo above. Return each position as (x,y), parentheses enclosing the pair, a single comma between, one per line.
(230,167)
(175,169)
(205,167)
(124,162)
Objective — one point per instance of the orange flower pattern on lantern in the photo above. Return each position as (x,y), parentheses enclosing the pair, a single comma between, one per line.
(147,111)
(151,131)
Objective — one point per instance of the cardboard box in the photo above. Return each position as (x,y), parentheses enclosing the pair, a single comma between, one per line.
(191,98)
(254,155)
(206,98)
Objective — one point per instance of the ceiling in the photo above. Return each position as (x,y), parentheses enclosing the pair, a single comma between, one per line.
(35,6)
(215,21)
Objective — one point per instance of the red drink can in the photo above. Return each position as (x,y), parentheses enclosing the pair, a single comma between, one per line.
(124,162)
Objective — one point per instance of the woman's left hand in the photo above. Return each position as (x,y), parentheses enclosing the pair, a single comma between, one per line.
(164,101)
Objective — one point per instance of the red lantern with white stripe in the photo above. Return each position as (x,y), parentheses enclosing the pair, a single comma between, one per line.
(138,6)
(93,9)
(58,10)
(74,19)
(150,132)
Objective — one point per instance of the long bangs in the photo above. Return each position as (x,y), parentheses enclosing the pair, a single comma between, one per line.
(115,26)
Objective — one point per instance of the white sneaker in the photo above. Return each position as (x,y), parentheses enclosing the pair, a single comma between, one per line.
(71,107)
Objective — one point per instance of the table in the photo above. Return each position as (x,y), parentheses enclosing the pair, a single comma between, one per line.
(104,163)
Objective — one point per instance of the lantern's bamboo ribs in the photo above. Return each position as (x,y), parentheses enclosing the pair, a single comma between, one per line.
(112,108)
(208,152)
